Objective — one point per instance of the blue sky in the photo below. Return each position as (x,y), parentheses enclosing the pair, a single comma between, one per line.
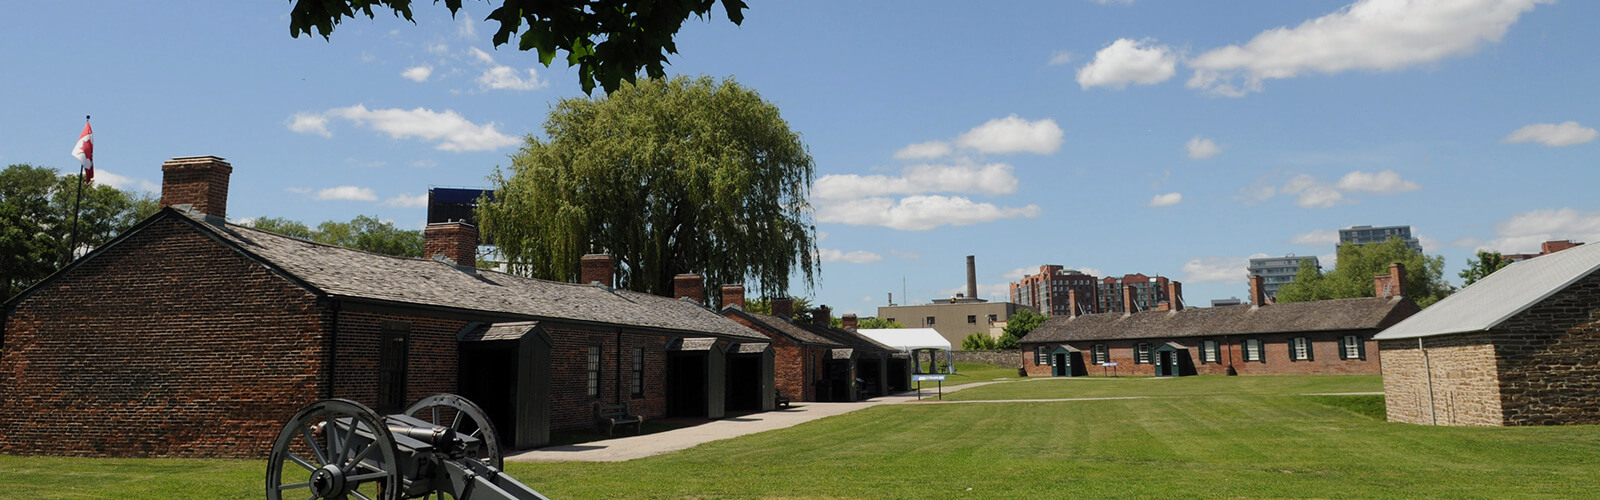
(1170,138)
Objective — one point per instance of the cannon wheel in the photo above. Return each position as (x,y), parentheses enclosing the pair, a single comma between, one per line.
(467,419)
(333,465)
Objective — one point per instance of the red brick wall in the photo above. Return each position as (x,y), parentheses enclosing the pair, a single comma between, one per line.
(168,344)
(1324,358)
(570,404)
(431,358)
(795,368)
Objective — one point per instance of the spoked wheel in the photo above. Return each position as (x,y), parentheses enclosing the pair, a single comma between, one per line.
(334,449)
(464,417)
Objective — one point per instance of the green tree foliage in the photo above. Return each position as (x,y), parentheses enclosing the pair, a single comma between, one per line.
(1485,264)
(670,177)
(361,233)
(1008,341)
(36,206)
(608,40)
(978,341)
(802,308)
(1021,323)
(1358,264)
(872,323)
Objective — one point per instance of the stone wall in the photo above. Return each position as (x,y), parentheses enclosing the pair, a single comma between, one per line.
(1460,369)
(1549,358)
(1009,358)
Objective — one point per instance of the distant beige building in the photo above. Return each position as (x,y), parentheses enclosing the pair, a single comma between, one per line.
(954,318)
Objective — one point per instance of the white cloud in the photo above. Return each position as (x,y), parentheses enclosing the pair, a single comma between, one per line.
(507,78)
(918,213)
(1013,135)
(1312,193)
(1523,232)
(501,77)
(417,73)
(1090,271)
(1553,134)
(424,163)
(867,298)
(1129,61)
(1060,57)
(467,27)
(1374,35)
(1201,148)
(437,48)
(1018,273)
(1166,200)
(310,123)
(103,176)
(407,201)
(1318,237)
(450,130)
(1216,270)
(1385,182)
(822,236)
(351,193)
(298,190)
(991,179)
(924,150)
(855,257)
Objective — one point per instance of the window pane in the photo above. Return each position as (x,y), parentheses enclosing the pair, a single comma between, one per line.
(594,371)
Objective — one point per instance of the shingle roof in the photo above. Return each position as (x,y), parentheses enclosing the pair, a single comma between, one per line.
(791,329)
(848,338)
(1321,315)
(1500,295)
(498,331)
(342,272)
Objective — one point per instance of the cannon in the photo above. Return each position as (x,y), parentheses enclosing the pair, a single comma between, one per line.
(340,449)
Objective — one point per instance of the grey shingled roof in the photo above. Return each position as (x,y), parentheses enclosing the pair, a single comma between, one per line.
(499,331)
(849,338)
(1501,295)
(749,348)
(791,329)
(342,272)
(1315,316)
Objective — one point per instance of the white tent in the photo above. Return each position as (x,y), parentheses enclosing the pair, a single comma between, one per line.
(913,340)
(907,339)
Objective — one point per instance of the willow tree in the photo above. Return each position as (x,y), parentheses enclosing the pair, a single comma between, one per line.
(670,177)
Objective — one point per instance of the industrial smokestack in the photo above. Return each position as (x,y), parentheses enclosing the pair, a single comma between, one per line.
(972,278)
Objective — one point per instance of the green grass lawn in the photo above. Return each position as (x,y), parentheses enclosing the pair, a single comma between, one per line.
(975,372)
(1193,437)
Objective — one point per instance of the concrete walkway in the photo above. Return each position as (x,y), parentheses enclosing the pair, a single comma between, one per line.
(632,447)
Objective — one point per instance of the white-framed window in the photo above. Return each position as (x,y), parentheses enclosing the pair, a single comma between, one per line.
(1300,349)
(1039,356)
(1209,353)
(1351,347)
(1101,354)
(638,372)
(1141,353)
(1252,350)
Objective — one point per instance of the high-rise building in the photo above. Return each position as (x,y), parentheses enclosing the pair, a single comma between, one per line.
(1144,291)
(1047,291)
(1279,271)
(1361,235)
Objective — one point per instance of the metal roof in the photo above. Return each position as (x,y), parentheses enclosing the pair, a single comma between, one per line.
(1501,295)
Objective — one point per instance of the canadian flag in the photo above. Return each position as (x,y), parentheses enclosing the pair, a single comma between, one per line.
(84,152)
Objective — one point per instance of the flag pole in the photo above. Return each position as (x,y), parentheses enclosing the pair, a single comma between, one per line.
(72,249)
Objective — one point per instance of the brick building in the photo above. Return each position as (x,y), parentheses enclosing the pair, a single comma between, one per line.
(1546,248)
(190,336)
(1329,336)
(1519,347)
(798,355)
(1047,290)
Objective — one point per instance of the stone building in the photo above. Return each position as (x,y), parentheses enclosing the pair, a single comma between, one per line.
(1320,337)
(1519,347)
(190,336)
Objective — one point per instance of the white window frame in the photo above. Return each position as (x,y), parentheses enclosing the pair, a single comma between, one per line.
(1102,354)
(1252,350)
(1141,354)
(1351,346)
(1300,349)
(1209,352)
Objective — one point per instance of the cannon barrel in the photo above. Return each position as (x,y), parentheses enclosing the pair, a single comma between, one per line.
(440,437)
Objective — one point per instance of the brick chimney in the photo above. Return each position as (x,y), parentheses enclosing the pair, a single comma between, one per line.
(690,286)
(1072,303)
(783,307)
(457,241)
(1175,295)
(1258,291)
(1164,306)
(848,322)
(732,295)
(598,268)
(1127,298)
(201,182)
(1392,284)
(822,316)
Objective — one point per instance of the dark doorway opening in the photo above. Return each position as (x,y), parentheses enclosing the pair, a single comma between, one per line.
(744,383)
(488,377)
(686,385)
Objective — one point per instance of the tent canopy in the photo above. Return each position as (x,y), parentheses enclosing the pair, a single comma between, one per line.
(907,339)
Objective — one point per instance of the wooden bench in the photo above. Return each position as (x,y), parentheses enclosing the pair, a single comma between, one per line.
(608,416)
(780,400)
